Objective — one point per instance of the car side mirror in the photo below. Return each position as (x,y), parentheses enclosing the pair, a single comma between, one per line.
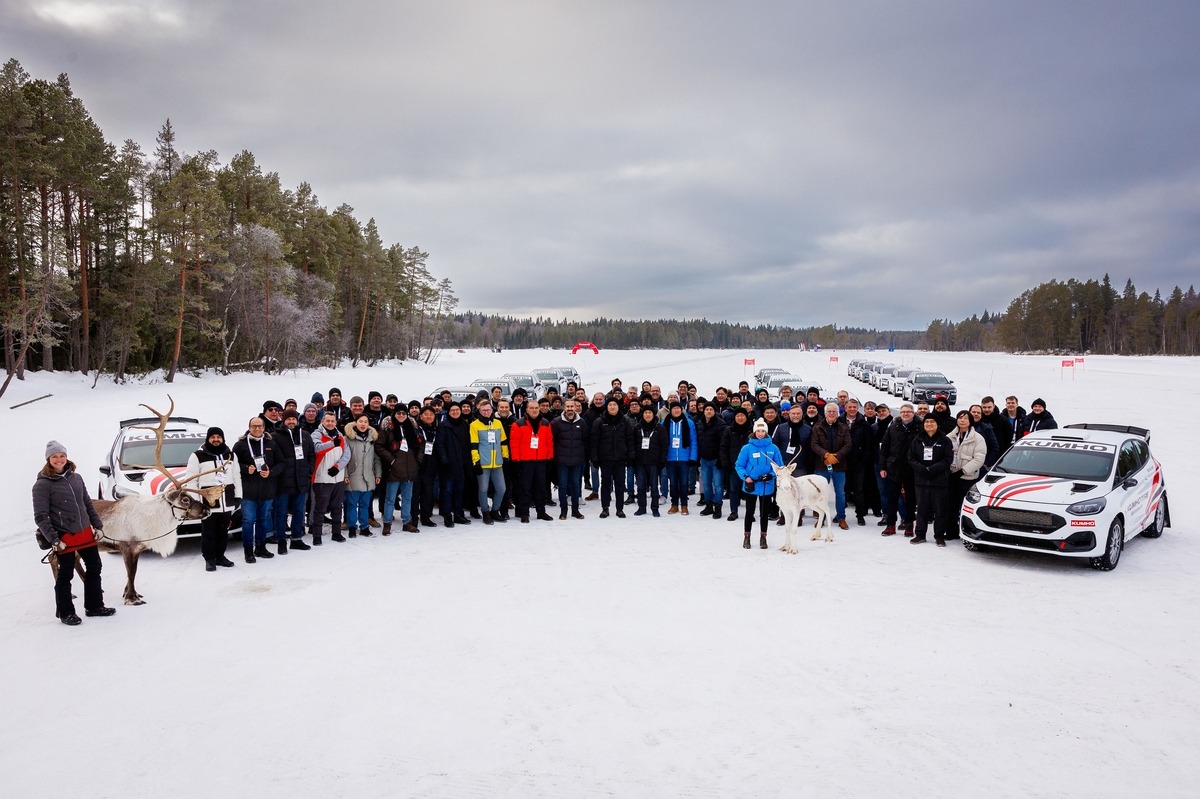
(1129,482)
(106,471)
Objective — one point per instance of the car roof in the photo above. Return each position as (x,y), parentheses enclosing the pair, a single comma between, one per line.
(1092,432)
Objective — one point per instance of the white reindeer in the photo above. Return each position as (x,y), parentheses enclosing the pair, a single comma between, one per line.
(136,523)
(796,494)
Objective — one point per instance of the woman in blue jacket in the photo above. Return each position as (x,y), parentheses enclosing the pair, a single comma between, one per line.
(758,479)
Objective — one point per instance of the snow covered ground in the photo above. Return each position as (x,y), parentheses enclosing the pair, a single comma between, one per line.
(637,657)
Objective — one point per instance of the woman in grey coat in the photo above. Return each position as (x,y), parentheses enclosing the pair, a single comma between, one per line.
(61,505)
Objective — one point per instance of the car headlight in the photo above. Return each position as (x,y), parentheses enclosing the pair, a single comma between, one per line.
(973,495)
(1088,507)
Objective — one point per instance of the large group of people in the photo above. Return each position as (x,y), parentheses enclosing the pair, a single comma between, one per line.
(349,468)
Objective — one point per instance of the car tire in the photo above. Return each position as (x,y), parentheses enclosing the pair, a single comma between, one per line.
(1113,545)
(1155,530)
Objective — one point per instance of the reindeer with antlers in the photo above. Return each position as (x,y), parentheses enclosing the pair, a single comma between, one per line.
(134,524)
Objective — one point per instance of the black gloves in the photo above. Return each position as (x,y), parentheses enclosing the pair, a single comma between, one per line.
(333,470)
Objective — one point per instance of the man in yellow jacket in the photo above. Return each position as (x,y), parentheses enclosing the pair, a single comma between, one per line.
(489,450)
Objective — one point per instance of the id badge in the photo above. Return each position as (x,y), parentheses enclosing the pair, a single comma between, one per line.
(299,452)
(491,436)
(645,443)
(928,453)
(755,454)
(790,450)
(258,463)
(428,447)
(533,442)
(675,442)
(404,445)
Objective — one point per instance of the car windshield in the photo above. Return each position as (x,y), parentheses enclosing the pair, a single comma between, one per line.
(546,374)
(524,382)
(929,379)
(1057,459)
(175,452)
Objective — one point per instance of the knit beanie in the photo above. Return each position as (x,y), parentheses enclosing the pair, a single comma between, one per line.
(53,447)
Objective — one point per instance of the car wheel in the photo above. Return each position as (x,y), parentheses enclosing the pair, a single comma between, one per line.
(1160,520)
(1112,547)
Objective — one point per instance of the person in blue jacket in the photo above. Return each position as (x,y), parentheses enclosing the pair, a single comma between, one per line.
(758,479)
(682,452)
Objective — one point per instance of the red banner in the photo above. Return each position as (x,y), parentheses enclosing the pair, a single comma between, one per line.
(833,359)
(1068,363)
(749,362)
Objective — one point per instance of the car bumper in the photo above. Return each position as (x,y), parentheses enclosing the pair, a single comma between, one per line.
(1073,538)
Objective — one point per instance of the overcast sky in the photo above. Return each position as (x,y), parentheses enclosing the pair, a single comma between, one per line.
(875,164)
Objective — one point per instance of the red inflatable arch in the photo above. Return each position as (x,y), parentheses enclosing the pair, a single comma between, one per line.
(585,345)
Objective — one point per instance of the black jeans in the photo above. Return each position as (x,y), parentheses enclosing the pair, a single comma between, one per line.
(93,595)
(612,477)
(531,486)
(765,503)
(647,478)
(214,536)
(931,507)
(893,499)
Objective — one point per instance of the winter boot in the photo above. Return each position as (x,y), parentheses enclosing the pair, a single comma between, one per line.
(351,531)
(387,528)
(249,554)
(762,541)
(543,516)
(281,545)
(746,542)
(428,521)
(889,530)
(365,532)
(716,512)
(411,527)
(337,536)
(448,521)
(261,551)
(298,543)
(487,517)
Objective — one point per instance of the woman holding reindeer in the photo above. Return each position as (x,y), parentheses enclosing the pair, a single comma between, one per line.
(65,517)
(758,479)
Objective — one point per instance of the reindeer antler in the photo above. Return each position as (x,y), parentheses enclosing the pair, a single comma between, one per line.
(158,431)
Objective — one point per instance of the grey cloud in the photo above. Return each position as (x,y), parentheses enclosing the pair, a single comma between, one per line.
(868,163)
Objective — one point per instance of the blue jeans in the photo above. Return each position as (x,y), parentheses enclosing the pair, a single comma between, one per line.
(358,509)
(294,504)
(677,475)
(495,478)
(569,478)
(839,487)
(256,521)
(404,489)
(712,481)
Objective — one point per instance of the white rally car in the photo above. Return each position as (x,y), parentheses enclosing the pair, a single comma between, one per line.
(1078,492)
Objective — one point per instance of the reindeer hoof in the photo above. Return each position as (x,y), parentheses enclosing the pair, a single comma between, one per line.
(137,600)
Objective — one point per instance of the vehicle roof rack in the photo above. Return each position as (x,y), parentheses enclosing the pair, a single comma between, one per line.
(1111,428)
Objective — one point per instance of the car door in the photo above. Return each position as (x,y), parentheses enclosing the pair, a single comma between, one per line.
(1132,461)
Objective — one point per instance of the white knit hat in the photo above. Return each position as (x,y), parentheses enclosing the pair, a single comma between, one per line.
(760,425)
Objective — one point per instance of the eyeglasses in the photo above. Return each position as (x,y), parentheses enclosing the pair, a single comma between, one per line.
(256,427)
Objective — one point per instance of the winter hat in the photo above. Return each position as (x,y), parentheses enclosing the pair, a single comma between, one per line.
(520,392)
(742,411)
(785,405)
(392,398)
(1038,401)
(290,413)
(760,425)
(813,390)
(940,398)
(53,447)
(316,397)
(372,395)
(291,402)
(309,405)
(214,431)
(400,409)
(333,391)
(271,405)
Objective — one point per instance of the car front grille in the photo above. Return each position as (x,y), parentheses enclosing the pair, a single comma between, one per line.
(1025,521)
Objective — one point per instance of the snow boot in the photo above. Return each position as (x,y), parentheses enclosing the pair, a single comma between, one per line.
(762,541)
(261,551)
(746,542)
(281,545)
(411,527)
(249,554)
(298,543)
(387,528)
